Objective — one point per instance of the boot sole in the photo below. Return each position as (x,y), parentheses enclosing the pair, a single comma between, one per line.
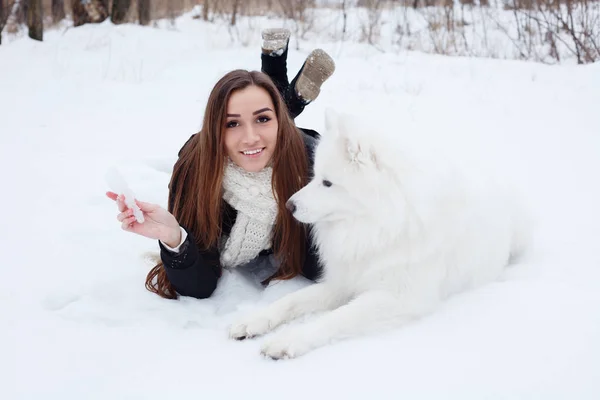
(318,68)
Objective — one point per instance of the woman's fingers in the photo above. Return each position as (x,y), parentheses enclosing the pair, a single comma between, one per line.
(127,223)
(147,207)
(121,203)
(119,199)
(123,215)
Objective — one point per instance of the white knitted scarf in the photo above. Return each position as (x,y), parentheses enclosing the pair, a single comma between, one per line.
(251,195)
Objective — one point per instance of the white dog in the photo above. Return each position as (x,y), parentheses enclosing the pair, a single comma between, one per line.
(397,231)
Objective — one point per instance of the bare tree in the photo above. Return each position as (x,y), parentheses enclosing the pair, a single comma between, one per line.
(579,22)
(79,14)
(344,18)
(573,25)
(13,17)
(403,27)
(298,12)
(58,10)
(370,27)
(35,18)
(235,7)
(119,11)
(144,11)
(206,9)
(2,19)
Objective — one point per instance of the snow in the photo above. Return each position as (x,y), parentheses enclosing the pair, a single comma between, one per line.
(117,184)
(77,321)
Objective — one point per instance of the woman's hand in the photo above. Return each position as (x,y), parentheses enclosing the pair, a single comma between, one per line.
(158,224)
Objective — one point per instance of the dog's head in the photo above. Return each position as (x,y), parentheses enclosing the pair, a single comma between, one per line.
(350,175)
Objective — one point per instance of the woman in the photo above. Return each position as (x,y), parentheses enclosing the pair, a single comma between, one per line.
(230,184)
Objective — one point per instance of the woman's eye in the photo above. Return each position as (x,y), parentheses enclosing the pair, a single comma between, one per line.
(262,119)
(327,183)
(232,124)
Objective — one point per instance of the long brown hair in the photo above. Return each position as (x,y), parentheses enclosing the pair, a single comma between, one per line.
(195,190)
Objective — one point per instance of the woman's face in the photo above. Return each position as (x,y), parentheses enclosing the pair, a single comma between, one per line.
(251,128)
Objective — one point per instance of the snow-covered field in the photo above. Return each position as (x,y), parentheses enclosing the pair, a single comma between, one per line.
(77,322)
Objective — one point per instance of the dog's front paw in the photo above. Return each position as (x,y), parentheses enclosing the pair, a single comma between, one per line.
(288,344)
(255,325)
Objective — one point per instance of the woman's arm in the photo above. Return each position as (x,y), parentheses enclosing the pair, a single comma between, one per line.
(192,272)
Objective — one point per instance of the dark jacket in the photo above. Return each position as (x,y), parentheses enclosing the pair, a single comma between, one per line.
(195,272)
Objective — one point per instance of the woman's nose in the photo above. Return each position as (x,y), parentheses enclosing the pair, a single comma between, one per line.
(251,135)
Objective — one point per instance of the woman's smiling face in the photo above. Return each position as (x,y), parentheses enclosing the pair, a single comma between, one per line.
(251,128)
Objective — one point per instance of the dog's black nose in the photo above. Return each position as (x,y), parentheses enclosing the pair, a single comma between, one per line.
(290,205)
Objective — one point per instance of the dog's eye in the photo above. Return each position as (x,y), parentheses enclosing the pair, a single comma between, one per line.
(327,183)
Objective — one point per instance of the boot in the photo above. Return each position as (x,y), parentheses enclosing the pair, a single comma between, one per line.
(275,41)
(317,68)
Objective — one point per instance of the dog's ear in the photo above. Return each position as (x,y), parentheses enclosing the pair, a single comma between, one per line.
(352,148)
(332,122)
(340,127)
(357,153)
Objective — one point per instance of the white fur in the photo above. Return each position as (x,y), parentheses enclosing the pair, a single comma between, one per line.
(399,230)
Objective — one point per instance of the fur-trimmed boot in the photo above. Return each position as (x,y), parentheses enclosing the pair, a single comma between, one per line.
(275,41)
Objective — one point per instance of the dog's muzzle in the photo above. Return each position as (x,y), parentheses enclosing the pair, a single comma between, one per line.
(290,205)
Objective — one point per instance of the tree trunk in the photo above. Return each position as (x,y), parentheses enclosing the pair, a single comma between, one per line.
(12,19)
(1,19)
(234,12)
(144,11)
(171,12)
(22,12)
(58,10)
(79,14)
(345,19)
(119,11)
(205,9)
(35,20)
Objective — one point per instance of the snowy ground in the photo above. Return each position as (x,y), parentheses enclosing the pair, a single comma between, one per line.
(77,322)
